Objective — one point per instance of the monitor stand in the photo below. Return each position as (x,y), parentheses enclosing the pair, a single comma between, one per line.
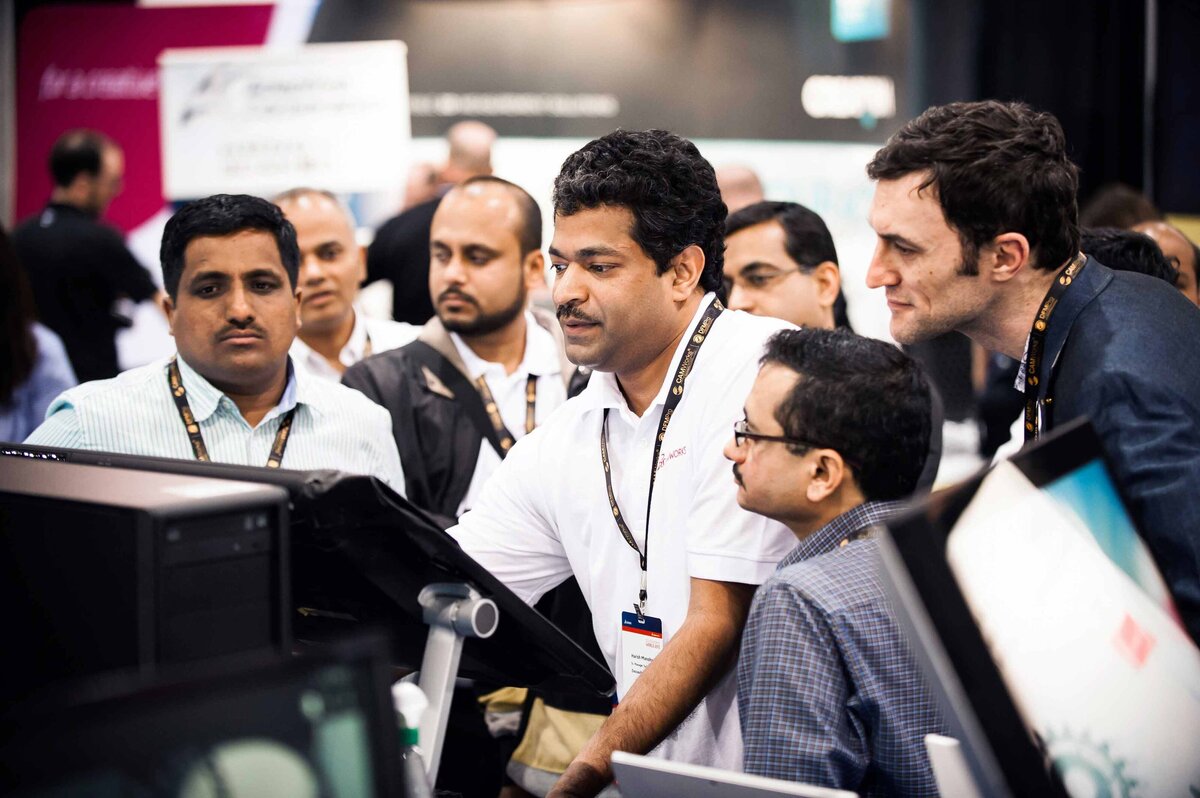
(454,612)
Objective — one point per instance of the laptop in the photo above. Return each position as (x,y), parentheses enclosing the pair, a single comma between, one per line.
(646,777)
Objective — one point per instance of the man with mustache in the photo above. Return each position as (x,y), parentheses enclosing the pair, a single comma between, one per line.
(487,369)
(625,487)
(835,433)
(231,394)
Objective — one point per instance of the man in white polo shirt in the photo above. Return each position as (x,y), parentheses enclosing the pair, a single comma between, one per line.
(637,255)
(334,334)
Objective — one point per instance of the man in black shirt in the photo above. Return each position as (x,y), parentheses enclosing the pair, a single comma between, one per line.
(77,266)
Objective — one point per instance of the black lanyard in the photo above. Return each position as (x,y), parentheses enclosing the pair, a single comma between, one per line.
(493,411)
(674,396)
(179,393)
(1037,342)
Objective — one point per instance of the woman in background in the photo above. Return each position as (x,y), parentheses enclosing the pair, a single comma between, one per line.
(33,363)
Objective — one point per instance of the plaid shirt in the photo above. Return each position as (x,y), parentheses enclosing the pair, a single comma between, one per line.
(828,692)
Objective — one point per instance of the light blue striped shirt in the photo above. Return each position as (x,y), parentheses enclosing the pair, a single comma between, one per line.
(335,427)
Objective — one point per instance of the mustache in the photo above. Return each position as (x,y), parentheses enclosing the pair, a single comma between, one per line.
(737,477)
(241,328)
(572,311)
(453,293)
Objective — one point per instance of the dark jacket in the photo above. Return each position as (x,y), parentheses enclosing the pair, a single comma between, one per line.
(1124,350)
(433,427)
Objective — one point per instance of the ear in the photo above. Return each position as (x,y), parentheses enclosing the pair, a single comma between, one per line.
(298,296)
(828,279)
(168,306)
(535,271)
(1010,254)
(828,472)
(685,271)
(360,274)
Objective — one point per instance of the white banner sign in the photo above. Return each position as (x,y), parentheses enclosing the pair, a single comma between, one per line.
(257,120)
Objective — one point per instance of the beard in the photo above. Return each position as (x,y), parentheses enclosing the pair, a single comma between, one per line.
(485,323)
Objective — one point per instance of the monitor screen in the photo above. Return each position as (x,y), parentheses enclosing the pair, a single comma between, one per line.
(314,726)
(1047,630)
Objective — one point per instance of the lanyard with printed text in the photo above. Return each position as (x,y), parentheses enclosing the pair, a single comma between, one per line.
(673,398)
(179,394)
(1037,342)
(493,411)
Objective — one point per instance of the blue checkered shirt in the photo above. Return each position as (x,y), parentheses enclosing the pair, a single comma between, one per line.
(828,691)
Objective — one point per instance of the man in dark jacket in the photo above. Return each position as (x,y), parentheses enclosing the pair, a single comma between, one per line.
(486,369)
(975,214)
(78,267)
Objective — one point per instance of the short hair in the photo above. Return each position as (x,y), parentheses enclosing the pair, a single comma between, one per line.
(665,183)
(223,215)
(806,238)
(77,152)
(529,233)
(861,397)
(995,167)
(1118,205)
(1126,250)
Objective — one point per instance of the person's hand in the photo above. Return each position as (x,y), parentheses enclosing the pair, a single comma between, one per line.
(580,781)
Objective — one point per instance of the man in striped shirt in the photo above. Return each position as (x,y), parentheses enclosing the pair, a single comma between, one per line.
(231,395)
(835,434)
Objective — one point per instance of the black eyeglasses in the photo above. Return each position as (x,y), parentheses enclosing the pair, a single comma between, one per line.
(741,435)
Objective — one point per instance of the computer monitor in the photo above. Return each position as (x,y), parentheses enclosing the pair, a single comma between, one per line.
(99,572)
(320,725)
(361,553)
(1045,628)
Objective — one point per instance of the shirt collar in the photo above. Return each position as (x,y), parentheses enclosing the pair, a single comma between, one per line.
(830,536)
(603,391)
(204,398)
(540,359)
(354,350)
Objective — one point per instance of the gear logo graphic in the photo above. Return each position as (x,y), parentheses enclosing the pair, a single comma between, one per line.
(1089,769)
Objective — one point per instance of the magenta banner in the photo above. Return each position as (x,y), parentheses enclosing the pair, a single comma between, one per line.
(96,66)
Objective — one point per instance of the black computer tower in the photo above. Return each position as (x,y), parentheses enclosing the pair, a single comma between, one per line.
(108,569)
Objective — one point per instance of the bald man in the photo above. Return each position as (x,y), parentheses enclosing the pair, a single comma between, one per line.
(739,186)
(1178,249)
(400,251)
(334,335)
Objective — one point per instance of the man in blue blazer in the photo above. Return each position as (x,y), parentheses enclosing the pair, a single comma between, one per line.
(977,228)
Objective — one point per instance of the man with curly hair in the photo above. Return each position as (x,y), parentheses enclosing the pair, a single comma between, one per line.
(625,487)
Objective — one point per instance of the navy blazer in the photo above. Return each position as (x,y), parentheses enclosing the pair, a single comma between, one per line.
(1123,349)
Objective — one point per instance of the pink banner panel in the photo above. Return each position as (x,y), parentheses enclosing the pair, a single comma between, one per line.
(96,66)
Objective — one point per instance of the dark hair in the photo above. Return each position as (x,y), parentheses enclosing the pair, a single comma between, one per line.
(665,183)
(995,167)
(529,234)
(1118,205)
(861,397)
(75,152)
(18,346)
(806,238)
(1128,251)
(223,215)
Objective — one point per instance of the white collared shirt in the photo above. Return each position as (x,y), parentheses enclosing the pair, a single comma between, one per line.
(545,515)
(541,360)
(369,336)
(335,427)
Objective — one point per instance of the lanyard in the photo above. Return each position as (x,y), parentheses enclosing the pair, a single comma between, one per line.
(1037,342)
(179,393)
(493,410)
(674,396)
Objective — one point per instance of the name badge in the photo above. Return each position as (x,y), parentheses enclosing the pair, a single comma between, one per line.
(641,642)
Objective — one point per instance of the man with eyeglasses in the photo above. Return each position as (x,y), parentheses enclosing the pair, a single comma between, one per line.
(835,433)
(780,261)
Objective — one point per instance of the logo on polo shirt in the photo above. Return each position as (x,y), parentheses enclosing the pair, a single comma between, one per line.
(667,457)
